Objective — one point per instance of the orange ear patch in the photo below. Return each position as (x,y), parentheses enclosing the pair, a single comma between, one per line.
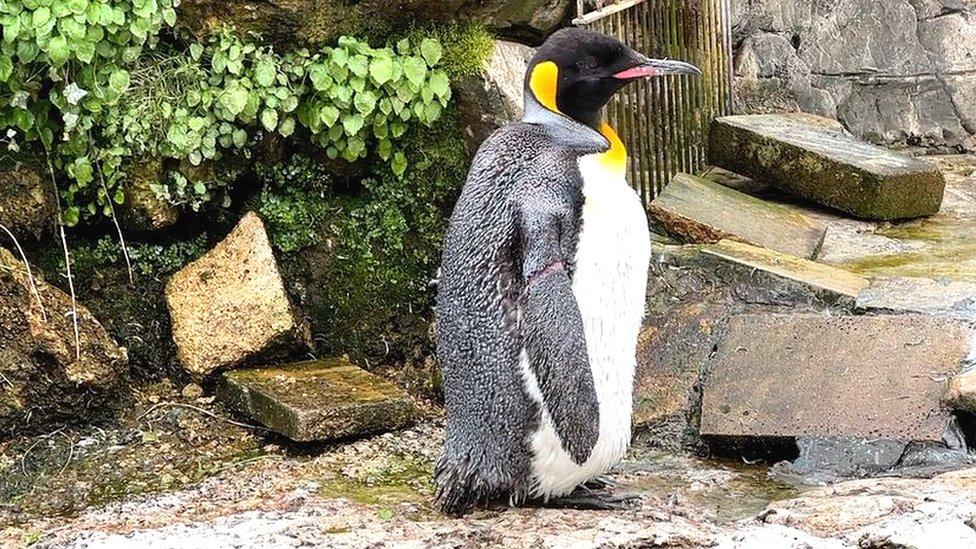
(544,83)
(615,158)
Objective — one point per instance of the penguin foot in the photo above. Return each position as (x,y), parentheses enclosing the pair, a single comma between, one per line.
(594,500)
(600,483)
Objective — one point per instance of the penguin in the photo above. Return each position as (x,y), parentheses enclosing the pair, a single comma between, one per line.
(542,288)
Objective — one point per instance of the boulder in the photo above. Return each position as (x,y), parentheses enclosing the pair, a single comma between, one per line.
(493,98)
(230,306)
(704,211)
(143,210)
(27,202)
(804,155)
(318,400)
(790,375)
(43,379)
(295,23)
(893,71)
(961,394)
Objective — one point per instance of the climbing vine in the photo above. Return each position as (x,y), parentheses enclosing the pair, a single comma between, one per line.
(93,84)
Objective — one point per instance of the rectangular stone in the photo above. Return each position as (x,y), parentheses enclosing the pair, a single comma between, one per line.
(704,211)
(810,273)
(943,297)
(318,400)
(789,375)
(809,157)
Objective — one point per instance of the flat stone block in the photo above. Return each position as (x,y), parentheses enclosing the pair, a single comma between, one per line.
(318,400)
(941,297)
(816,275)
(809,157)
(789,375)
(704,211)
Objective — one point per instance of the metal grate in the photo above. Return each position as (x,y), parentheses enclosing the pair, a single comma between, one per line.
(664,121)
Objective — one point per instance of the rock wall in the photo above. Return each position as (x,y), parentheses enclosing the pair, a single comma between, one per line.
(892,71)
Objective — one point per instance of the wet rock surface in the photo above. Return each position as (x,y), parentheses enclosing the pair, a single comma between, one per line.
(48,373)
(808,374)
(493,98)
(702,211)
(318,400)
(230,306)
(893,71)
(27,203)
(804,156)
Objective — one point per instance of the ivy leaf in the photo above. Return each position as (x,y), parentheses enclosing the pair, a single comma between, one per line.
(399,163)
(339,56)
(169,16)
(352,123)
(234,100)
(365,102)
(264,73)
(440,84)
(329,115)
(239,137)
(70,216)
(433,111)
(431,50)
(415,69)
(287,127)
(403,46)
(40,17)
(118,81)
(6,67)
(359,65)
(269,119)
(196,51)
(57,50)
(320,77)
(381,70)
(77,7)
(290,103)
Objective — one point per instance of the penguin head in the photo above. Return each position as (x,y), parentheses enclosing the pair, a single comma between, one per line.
(575,72)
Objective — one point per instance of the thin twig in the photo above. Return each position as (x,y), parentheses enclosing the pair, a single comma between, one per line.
(71,453)
(67,257)
(23,458)
(115,219)
(207,413)
(30,275)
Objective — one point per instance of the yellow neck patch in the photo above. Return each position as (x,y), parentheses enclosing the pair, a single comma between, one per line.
(544,83)
(614,158)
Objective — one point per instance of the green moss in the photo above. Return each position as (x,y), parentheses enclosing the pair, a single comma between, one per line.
(467,47)
(294,202)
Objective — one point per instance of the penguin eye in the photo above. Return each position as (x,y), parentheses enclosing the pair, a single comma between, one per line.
(591,62)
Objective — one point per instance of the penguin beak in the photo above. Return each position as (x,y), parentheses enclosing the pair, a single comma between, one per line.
(646,68)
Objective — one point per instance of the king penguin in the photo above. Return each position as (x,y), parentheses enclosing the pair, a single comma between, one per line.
(542,287)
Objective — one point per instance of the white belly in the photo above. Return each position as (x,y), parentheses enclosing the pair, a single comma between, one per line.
(610,283)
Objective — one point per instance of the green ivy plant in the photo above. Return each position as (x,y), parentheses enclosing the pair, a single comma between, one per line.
(90,81)
(361,94)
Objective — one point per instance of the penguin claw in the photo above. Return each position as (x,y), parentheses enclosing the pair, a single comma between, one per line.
(593,500)
(600,483)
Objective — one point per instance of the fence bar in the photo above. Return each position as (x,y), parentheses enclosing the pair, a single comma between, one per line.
(664,121)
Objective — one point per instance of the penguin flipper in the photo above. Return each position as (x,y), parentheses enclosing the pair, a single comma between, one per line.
(552,328)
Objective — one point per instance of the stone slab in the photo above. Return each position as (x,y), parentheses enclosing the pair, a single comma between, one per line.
(789,375)
(951,298)
(317,400)
(704,211)
(810,158)
(816,275)
(230,306)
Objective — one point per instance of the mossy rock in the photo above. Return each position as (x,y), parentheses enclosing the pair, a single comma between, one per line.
(143,210)
(811,158)
(27,201)
(318,400)
(296,23)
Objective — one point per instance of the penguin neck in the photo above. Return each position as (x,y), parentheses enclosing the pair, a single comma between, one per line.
(583,138)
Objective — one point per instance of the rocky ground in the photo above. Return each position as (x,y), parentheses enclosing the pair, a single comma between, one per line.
(178,472)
